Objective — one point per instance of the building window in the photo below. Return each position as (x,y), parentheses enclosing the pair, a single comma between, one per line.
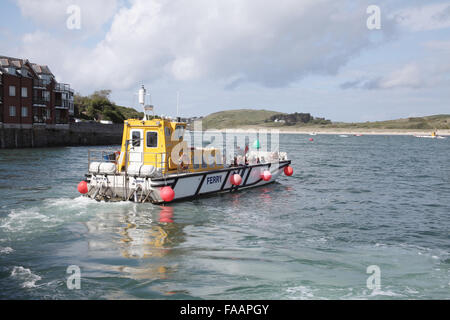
(12,111)
(152,139)
(24,72)
(12,91)
(24,92)
(24,112)
(46,78)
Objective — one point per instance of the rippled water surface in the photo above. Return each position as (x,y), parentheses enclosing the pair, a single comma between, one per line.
(351,203)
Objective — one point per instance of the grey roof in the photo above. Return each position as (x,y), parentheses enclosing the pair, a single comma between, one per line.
(41,69)
(4,61)
(14,62)
(20,63)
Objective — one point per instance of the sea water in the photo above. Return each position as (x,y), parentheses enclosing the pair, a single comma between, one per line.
(352,205)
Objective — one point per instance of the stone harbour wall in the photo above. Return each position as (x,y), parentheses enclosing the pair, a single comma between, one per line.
(74,134)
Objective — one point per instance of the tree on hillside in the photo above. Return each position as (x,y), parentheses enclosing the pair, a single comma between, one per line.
(297,119)
(98,106)
(105,93)
(98,103)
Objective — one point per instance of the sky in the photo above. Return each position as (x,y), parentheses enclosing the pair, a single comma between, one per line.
(316,56)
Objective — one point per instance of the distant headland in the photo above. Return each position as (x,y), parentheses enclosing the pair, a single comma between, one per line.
(249,119)
(98,107)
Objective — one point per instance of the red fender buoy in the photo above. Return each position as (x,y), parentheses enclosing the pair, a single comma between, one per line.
(83,187)
(311,139)
(266,175)
(236,179)
(288,171)
(167,193)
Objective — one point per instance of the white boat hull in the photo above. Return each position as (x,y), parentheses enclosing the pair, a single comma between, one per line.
(431,137)
(116,187)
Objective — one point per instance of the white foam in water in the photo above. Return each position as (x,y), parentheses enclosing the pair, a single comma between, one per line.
(300,292)
(81,201)
(24,274)
(411,291)
(23,220)
(6,250)
(40,218)
(76,206)
(389,293)
(16,218)
(81,205)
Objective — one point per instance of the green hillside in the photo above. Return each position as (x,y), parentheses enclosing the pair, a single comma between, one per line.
(441,121)
(247,118)
(236,118)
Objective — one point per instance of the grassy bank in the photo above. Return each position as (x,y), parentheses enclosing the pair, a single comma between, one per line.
(253,119)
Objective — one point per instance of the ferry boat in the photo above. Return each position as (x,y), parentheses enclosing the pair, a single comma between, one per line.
(156,165)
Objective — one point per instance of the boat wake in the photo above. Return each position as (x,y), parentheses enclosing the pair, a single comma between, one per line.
(6,250)
(23,274)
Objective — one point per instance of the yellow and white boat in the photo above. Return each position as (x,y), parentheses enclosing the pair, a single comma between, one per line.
(156,165)
(433,135)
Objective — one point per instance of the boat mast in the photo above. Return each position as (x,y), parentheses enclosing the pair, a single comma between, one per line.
(147,108)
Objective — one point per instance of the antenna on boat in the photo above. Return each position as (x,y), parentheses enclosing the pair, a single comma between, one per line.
(146,107)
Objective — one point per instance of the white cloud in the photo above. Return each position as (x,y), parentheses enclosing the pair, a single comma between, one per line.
(272,43)
(185,68)
(42,48)
(408,76)
(438,45)
(427,17)
(413,75)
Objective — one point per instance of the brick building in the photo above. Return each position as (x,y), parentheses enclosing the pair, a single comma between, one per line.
(30,95)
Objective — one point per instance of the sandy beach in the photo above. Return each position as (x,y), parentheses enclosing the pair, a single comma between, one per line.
(346,131)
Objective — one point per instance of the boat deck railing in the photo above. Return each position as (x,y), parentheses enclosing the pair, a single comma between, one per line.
(160,160)
(156,159)
(103,155)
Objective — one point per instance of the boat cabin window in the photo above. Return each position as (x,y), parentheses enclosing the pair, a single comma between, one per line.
(152,139)
(167,133)
(178,133)
(136,138)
